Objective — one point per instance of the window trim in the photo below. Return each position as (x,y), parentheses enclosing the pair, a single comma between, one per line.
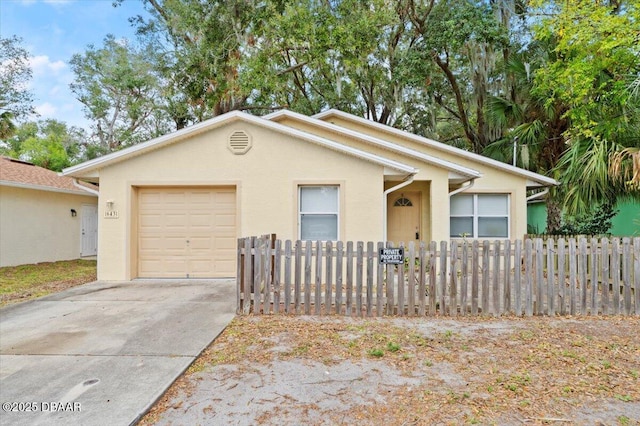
(475,216)
(338,212)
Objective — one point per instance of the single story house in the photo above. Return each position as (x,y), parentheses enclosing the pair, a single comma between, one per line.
(44,217)
(174,206)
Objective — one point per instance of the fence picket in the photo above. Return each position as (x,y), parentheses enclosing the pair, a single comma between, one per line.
(390,289)
(626,274)
(582,272)
(475,266)
(636,279)
(453,284)
(562,284)
(594,276)
(380,284)
(422,287)
(443,277)
(318,287)
(539,281)
(528,266)
(339,264)
(432,277)
(248,276)
(267,276)
(464,281)
(298,277)
(369,278)
(551,277)
(605,275)
(349,295)
(328,277)
(411,284)
(485,277)
(308,260)
(615,274)
(507,277)
(359,277)
(517,277)
(401,300)
(287,276)
(495,278)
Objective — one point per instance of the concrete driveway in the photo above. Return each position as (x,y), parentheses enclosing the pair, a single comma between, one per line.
(102,353)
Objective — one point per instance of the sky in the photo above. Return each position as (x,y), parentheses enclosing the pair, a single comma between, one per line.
(52,31)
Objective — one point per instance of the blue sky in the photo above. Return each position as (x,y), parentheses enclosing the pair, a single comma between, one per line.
(52,31)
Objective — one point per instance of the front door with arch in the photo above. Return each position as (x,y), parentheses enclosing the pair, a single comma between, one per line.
(403,217)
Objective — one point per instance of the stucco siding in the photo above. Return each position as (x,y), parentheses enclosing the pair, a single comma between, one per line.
(37,226)
(493,180)
(266,179)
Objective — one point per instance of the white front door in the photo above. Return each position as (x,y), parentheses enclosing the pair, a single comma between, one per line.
(89,230)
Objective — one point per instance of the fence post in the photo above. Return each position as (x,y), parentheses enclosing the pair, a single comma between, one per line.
(239,275)
(605,275)
(390,279)
(248,275)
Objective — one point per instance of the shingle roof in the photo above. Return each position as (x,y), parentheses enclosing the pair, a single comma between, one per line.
(21,173)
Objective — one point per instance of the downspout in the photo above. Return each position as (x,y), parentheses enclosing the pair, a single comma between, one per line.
(384,200)
(538,194)
(463,188)
(76,184)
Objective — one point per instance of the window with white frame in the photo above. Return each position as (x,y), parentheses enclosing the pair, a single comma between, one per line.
(318,210)
(479,216)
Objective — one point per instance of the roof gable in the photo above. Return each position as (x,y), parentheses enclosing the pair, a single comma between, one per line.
(535,179)
(24,174)
(223,120)
(371,140)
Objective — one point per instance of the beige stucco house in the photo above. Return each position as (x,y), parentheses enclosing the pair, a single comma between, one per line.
(174,206)
(44,217)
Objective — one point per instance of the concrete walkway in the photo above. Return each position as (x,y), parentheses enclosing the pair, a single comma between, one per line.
(102,353)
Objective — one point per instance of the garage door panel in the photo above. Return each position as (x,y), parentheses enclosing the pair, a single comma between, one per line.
(187,232)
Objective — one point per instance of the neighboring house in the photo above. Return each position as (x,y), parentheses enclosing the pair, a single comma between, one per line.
(174,206)
(44,217)
(626,222)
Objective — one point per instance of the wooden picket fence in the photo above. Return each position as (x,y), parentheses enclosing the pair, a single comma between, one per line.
(530,277)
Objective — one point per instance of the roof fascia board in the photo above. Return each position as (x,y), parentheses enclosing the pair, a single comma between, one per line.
(439,145)
(45,188)
(465,171)
(224,119)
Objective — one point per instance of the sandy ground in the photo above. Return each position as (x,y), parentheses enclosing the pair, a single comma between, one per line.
(419,371)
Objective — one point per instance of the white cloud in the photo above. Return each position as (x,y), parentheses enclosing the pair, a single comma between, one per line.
(41,64)
(46,110)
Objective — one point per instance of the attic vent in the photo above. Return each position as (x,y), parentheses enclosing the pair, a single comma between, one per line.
(239,142)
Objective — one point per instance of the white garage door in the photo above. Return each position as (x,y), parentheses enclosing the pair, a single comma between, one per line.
(187,232)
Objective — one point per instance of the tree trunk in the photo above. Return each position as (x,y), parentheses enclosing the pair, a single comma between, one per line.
(554,215)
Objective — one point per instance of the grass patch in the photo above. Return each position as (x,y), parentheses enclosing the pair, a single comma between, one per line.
(26,282)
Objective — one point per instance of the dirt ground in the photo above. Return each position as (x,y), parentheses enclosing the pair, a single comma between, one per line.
(276,370)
